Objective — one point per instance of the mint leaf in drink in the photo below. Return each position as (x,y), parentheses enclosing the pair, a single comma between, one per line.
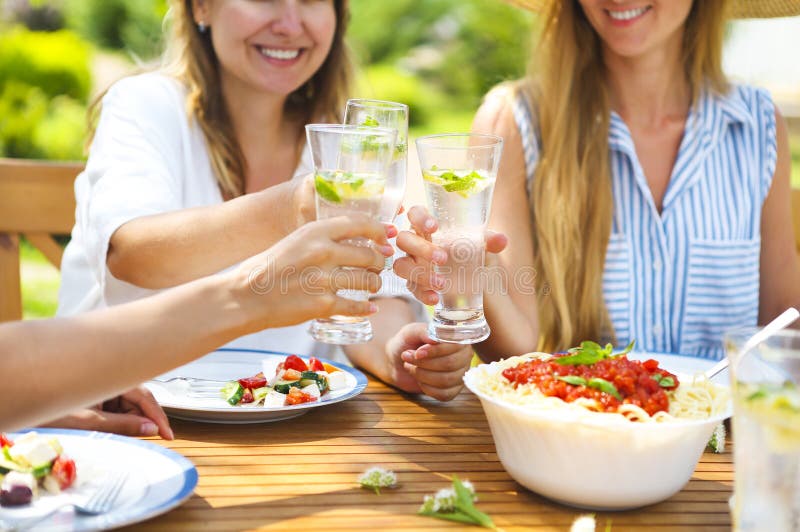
(370,122)
(572,379)
(605,387)
(326,190)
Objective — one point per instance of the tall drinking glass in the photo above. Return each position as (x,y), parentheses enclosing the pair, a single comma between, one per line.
(459,172)
(350,166)
(379,113)
(392,115)
(766,427)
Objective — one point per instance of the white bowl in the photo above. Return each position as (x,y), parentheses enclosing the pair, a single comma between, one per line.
(597,462)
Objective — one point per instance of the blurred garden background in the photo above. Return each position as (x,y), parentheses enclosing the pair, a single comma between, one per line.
(438,56)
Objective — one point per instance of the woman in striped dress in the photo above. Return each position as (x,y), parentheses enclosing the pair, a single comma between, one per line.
(650,195)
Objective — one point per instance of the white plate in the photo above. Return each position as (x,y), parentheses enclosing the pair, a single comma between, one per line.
(233,364)
(681,364)
(158,480)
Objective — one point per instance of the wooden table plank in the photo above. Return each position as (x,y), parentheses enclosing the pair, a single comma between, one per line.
(300,474)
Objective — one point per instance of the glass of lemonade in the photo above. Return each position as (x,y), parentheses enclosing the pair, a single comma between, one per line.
(392,115)
(459,172)
(766,427)
(350,167)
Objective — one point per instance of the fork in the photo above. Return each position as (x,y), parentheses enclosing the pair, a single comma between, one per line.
(199,388)
(101,501)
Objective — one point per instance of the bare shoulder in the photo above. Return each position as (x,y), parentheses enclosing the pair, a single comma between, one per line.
(496,113)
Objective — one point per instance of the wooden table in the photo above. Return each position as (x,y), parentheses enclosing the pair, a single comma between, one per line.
(300,474)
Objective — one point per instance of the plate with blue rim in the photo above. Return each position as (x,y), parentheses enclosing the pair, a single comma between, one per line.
(157,480)
(228,364)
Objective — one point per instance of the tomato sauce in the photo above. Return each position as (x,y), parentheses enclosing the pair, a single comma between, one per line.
(636,382)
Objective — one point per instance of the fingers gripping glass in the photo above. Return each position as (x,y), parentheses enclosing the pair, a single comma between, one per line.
(350,168)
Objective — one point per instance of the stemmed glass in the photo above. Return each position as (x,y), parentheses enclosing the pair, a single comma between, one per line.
(350,168)
(392,115)
(459,172)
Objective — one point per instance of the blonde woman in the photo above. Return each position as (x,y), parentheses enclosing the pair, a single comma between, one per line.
(200,164)
(650,195)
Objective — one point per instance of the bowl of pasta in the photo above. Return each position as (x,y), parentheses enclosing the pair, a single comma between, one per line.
(594,429)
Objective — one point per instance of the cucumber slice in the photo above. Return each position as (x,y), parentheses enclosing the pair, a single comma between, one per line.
(308,377)
(41,471)
(9,465)
(232,393)
(284,387)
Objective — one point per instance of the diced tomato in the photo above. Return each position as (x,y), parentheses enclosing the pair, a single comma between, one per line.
(291,375)
(256,381)
(315,364)
(5,442)
(297,396)
(247,397)
(295,362)
(64,471)
(650,365)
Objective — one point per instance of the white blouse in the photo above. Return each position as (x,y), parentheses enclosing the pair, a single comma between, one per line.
(148,157)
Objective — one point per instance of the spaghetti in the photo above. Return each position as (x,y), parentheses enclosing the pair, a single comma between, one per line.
(614,386)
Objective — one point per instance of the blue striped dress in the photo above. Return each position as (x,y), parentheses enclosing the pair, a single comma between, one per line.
(676,281)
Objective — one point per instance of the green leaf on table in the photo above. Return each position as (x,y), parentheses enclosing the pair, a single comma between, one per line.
(456,504)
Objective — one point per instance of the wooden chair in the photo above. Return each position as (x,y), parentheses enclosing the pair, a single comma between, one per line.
(36,200)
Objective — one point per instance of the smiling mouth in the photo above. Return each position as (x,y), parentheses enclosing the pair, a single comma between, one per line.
(281,54)
(628,14)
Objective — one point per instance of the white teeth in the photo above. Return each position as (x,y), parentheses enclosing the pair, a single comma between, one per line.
(628,14)
(279,54)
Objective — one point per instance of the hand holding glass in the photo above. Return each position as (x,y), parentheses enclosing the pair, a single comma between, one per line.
(350,166)
(459,171)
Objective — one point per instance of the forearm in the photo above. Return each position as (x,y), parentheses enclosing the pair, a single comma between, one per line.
(373,356)
(514,330)
(169,249)
(88,358)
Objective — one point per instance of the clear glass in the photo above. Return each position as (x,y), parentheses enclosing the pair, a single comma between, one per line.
(393,115)
(459,172)
(350,167)
(766,427)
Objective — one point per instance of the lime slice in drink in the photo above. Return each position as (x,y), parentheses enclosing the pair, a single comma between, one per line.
(465,184)
(335,187)
(777,407)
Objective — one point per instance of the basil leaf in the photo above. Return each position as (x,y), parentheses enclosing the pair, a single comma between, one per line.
(605,387)
(666,382)
(580,357)
(572,379)
(625,351)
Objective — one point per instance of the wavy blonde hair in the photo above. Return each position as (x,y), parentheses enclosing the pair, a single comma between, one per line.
(571,197)
(190,58)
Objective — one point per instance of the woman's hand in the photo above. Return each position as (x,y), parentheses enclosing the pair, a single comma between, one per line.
(297,279)
(417,267)
(134,413)
(422,365)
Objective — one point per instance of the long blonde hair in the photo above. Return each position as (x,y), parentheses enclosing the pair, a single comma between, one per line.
(571,199)
(190,58)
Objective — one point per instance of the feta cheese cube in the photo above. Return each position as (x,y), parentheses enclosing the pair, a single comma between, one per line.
(337,380)
(274,399)
(32,451)
(312,390)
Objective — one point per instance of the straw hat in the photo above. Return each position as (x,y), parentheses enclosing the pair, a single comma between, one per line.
(740,8)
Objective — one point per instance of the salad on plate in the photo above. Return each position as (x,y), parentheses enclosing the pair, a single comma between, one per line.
(31,462)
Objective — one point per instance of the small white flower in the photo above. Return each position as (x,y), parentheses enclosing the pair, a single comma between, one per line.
(584,523)
(376,478)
